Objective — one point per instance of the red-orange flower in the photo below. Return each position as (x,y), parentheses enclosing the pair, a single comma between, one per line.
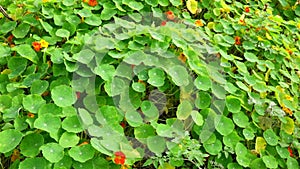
(93,3)
(199,23)
(10,38)
(163,23)
(170,15)
(247,9)
(291,151)
(30,115)
(123,124)
(237,40)
(78,95)
(182,58)
(119,158)
(36,46)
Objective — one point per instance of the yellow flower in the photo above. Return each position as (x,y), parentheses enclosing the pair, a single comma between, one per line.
(44,1)
(44,43)
(298,25)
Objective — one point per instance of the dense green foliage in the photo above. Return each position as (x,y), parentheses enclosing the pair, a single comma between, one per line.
(150,84)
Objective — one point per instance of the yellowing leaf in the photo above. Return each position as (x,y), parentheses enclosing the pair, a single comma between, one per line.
(192,6)
(268,36)
(260,144)
(166,166)
(289,126)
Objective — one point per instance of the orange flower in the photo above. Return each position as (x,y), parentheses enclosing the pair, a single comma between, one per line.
(10,38)
(170,15)
(93,3)
(123,124)
(182,58)
(163,23)
(242,22)
(237,40)
(198,23)
(119,158)
(287,110)
(36,46)
(15,155)
(291,151)
(78,95)
(247,9)
(30,115)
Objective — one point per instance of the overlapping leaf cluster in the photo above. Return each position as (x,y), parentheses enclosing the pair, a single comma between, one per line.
(214,84)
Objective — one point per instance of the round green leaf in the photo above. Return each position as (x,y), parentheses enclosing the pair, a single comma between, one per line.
(17,65)
(38,162)
(203,83)
(7,27)
(62,33)
(53,152)
(30,145)
(292,163)
(85,117)
(248,45)
(5,102)
(84,56)
(270,137)
(213,148)
(9,139)
(107,13)
(240,119)
(21,31)
(134,118)
(48,123)
(197,118)
(50,109)
(233,104)
(270,161)
(105,71)
(149,110)
(224,125)
(203,100)
(234,166)
(156,144)
(240,149)
(157,82)
(27,52)
(231,140)
(139,87)
(144,131)
(68,140)
(184,110)
(283,152)
(82,153)
(64,163)
(39,87)
(243,160)
(152,3)
(248,134)
(136,5)
(63,96)
(94,20)
(258,163)
(72,124)
(250,57)
(179,75)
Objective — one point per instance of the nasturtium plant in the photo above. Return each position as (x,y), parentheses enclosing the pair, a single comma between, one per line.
(149,84)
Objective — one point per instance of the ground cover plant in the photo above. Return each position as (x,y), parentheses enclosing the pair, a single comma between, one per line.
(149,84)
